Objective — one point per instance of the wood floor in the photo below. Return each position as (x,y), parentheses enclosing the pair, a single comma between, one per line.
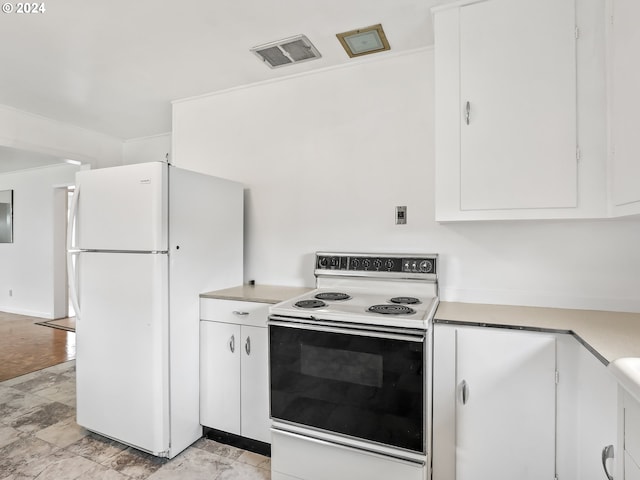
(26,347)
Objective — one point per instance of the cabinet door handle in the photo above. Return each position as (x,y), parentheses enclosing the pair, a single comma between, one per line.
(232,343)
(247,346)
(467,112)
(464,392)
(238,312)
(607,453)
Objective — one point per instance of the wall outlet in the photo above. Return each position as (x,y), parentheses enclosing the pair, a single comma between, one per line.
(401,215)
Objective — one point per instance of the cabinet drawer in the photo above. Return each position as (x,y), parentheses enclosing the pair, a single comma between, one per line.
(231,311)
(632,427)
(295,456)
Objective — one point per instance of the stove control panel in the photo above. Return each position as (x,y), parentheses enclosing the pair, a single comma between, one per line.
(399,264)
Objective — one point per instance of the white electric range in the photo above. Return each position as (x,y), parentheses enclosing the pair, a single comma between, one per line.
(349,366)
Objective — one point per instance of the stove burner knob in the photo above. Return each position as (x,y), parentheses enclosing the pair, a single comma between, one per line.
(389,264)
(366,263)
(355,263)
(377,263)
(322,262)
(425,266)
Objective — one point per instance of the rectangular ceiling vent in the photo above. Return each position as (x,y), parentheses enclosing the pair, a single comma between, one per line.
(287,52)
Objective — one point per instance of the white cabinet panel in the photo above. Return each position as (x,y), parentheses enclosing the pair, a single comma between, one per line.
(220,345)
(509,396)
(518,141)
(632,428)
(587,412)
(254,415)
(631,469)
(494,404)
(624,103)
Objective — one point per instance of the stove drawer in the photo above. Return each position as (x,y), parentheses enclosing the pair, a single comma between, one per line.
(297,456)
(232,311)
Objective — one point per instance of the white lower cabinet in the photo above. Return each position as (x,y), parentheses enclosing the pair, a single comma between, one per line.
(587,411)
(494,404)
(521,404)
(234,389)
(629,437)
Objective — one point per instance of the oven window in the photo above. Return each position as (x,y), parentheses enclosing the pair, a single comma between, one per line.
(365,387)
(360,368)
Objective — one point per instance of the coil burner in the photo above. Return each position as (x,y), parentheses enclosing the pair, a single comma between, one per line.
(333,296)
(310,304)
(406,300)
(388,309)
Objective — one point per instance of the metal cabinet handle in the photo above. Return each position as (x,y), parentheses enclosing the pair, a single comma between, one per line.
(607,453)
(464,392)
(467,109)
(247,346)
(232,343)
(238,312)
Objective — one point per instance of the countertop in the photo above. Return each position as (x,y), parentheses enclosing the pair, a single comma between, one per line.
(608,335)
(257,293)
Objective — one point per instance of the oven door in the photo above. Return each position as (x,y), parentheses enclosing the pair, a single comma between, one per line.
(362,382)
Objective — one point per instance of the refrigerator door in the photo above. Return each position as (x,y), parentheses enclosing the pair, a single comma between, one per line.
(123,208)
(122,369)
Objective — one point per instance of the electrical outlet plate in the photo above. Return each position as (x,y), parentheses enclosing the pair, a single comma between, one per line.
(401,215)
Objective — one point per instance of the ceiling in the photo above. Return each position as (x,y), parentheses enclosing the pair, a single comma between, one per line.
(114,66)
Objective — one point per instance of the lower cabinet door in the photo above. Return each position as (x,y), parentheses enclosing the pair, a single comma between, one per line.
(631,470)
(220,346)
(254,413)
(505,404)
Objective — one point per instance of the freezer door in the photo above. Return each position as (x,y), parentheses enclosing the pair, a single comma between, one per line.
(122,348)
(123,208)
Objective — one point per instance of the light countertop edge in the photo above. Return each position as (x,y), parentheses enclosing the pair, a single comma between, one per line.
(257,293)
(608,335)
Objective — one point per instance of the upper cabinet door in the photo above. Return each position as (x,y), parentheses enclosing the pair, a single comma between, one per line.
(624,104)
(506,110)
(518,93)
(123,208)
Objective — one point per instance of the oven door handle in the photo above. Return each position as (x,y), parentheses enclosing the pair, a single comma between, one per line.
(419,338)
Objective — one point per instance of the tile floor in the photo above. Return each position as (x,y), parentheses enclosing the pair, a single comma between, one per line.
(40,439)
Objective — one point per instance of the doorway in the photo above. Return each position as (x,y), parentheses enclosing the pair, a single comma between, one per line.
(62,307)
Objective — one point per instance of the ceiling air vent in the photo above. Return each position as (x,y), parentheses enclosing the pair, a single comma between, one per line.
(287,52)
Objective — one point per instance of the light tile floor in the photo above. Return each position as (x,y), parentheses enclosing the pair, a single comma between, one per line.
(39,438)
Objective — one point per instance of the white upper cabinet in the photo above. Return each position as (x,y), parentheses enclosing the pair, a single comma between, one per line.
(507,114)
(624,105)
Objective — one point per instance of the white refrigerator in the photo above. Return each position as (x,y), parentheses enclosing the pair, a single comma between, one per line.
(144,241)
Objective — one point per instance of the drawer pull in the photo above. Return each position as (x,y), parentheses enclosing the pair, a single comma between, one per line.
(240,313)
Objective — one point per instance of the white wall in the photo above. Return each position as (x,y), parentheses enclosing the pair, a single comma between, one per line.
(34,133)
(146,149)
(33,265)
(326,157)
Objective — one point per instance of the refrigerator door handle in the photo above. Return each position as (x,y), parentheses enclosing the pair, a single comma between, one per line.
(72,252)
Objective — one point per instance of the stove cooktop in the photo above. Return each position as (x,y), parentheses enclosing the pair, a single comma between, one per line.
(386,289)
(361,306)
